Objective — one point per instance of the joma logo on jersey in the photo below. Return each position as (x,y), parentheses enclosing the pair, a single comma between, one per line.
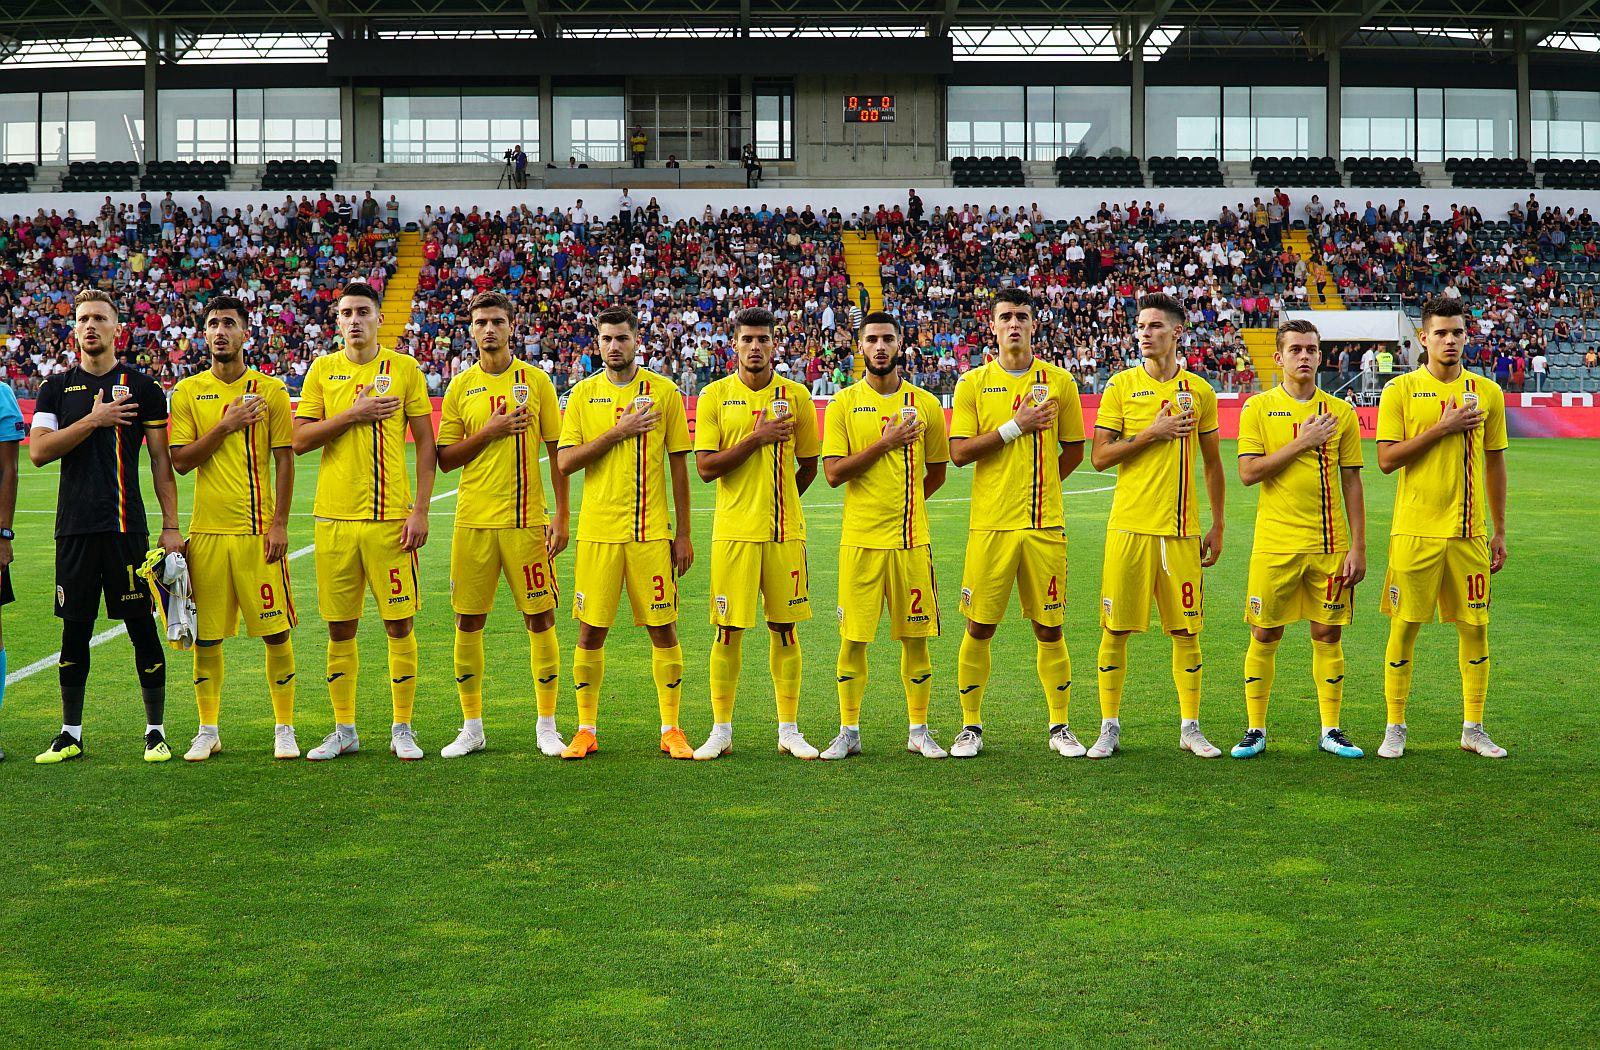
(339,379)
(75,389)
(995,390)
(1280,415)
(1423,393)
(599,401)
(868,409)
(1143,393)
(475,390)
(208,397)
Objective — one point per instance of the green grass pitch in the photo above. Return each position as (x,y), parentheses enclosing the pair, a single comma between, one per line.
(1019,899)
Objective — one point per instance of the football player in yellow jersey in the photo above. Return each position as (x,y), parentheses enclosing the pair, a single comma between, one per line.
(1444,430)
(496,413)
(619,425)
(886,441)
(1155,419)
(232,424)
(1303,448)
(356,406)
(756,437)
(1019,419)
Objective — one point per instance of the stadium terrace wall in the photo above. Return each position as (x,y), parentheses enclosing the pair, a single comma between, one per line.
(1055,203)
(1527,415)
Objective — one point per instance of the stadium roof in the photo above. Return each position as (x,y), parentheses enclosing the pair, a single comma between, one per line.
(119,31)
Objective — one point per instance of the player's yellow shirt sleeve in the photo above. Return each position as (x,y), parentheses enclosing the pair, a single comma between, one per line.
(835,425)
(1251,440)
(180,423)
(312,404)
(964,416)
(1349,438)
(550,406)
(1443,492)
(451,426)
(1069,414)
(624,491)
(758,501)
(936,438)
(1156,488)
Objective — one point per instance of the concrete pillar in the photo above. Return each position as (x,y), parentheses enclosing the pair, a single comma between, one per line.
(547,122)
(151,139)
(1524,107)
(347,124)
(1136,105)
(1335,107)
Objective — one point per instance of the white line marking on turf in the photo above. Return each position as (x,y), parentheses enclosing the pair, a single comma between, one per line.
(105,636)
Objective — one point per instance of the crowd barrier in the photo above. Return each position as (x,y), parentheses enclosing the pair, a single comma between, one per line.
(1548,415)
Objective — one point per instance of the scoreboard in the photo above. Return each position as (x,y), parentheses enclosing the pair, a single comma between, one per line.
(869,109)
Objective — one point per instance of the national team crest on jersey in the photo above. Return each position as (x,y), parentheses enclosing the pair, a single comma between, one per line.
(61,597)
(1255,606)
(519,394)
(1469,399)
(1106,604)
(381,383)
(1184,400)
(1040,393)
(577,601)
(119,391)
(966,597)
(1394,597)
(722,605)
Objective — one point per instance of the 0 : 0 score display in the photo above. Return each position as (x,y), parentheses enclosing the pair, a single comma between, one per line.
(869,109)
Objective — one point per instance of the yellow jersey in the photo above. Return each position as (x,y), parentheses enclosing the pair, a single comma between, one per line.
(625,490)
(884,507)
(234,493)
(1301,509)
(1155,494)
(501,489)
(363,474)
(758,501)
(1018,487)
(1441,493)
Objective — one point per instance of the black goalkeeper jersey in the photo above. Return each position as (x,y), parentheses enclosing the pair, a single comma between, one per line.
(99,489)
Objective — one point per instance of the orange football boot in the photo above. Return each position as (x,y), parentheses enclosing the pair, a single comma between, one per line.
(583,745)
(674,743)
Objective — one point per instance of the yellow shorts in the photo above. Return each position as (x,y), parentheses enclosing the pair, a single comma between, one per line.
(231,576)
(1288,588)
(603,568)
(354,557)
(1034,559)
(480,557)
(776,570)
(1138,566)
(904,578)
(1426,574)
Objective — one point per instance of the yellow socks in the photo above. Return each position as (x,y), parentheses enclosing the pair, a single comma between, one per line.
(972,675)
(280,680)
(1113,669)
(208,682)
(469,672)
(344,663)
(1186,674)
(1260,663)
(783,659)
(916,674)
(1327,667)
(544,657)
(666,666)
(1397,667)
(403,676)
(725,659)
(1055,674)
(852,674)
(588,671)
(1472,652)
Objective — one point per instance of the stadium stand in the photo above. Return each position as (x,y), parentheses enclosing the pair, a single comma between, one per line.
(1569,174)
(1489,173)
(299,175)
(1382,172)
(1098,171)
(99,176)
(286,261)
(14,177)
(185,175)
(1295,171)
(1185,171)
(987,171)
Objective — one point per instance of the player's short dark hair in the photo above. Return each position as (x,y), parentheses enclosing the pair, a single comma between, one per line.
(223,304)
(1163,302)
(617,315)
(1297,326)
(94,295)
(361,290)
(1442,306)
(755,317)
(489,301)
(880,317)
(1013,296)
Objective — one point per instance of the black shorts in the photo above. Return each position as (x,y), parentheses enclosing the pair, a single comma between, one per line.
(97,563)
(7,595)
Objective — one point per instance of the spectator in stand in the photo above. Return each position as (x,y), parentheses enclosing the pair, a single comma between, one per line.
(637,142)
(1540,366)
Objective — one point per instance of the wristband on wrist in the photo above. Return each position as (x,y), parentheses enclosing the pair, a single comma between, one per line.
(1010,431)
